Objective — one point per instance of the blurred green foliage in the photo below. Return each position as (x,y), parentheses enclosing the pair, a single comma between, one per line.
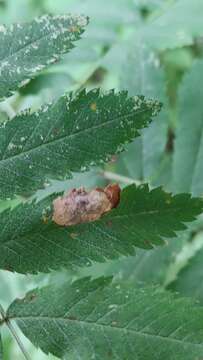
(154,48)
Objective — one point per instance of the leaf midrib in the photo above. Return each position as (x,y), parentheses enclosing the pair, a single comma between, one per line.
(118,328)
(18,236)
(95,127)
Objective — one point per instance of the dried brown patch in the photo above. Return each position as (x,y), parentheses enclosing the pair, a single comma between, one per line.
(81,206)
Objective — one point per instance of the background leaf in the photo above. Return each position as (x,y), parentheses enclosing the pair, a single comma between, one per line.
(98,319)
(189,280)
(143,73)
(81,64)
(149,267)
(157,71)
(187,175)
(171,29)
(156,266)
(143,219)
(24,51)
(68,136)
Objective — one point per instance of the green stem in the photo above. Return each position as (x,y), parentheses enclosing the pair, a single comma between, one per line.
(119,178)
(4,320)
(2,315)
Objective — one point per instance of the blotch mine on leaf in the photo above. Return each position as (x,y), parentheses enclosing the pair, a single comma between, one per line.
(81,206)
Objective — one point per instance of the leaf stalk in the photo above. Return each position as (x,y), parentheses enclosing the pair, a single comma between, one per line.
(4,320)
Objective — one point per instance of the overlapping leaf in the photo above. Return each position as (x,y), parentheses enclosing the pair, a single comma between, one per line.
(31,243)
(27,48)
(101,320)
(67,136)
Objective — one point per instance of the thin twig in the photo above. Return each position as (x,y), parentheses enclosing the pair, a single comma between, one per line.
(2,315)
(119,178)
(7,321)
(16,337)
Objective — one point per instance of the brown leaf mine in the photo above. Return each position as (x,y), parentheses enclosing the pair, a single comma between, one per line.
(80,206)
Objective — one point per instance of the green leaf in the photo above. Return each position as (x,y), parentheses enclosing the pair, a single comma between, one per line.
(88,180)
(68,136)
(187,175)
(156,266)
(147,152)
(27,48)
(102,32)
(98,319)
(143,219)
(149,267)
(172,29)
(189,279)
(152,154)
(145,65)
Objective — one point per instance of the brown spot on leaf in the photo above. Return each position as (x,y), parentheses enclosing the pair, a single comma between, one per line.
(93,106)
(81,206)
